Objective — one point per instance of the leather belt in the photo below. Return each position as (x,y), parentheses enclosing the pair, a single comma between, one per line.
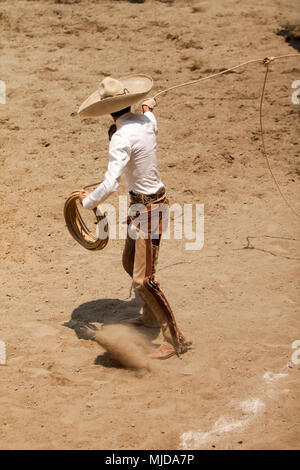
(147,198)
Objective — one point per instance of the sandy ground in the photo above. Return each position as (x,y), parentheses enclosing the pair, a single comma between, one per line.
(238,388)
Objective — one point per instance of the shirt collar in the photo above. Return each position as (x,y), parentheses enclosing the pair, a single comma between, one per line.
(121,119)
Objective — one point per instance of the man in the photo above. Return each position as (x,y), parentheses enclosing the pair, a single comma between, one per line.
(132,151)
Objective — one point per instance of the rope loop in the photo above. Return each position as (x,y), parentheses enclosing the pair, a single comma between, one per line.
(266,61)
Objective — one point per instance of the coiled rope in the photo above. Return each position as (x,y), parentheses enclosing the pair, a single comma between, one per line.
(78,228)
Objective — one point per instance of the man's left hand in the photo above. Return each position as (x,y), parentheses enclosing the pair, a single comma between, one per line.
(82,195)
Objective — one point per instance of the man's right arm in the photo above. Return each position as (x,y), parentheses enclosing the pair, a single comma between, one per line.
(147,107)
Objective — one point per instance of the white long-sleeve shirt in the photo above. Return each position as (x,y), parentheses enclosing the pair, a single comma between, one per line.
(132,151)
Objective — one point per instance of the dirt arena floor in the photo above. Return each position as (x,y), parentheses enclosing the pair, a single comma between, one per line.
(236,299)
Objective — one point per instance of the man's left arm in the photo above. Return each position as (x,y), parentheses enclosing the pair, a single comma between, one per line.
(119,156)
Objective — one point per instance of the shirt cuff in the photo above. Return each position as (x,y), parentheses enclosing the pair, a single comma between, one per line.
(89,203)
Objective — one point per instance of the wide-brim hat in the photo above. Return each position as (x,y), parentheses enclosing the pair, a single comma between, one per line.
(116,94)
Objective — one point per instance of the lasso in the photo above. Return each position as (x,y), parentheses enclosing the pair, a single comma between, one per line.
(74,221)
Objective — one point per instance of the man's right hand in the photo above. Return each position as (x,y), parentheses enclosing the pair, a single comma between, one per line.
(148,104)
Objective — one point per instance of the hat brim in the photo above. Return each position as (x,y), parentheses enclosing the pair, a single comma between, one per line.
(138,86)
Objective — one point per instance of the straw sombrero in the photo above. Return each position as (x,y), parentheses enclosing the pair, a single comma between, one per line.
(114,95)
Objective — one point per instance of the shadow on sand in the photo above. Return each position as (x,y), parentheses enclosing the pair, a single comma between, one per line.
(107,312)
